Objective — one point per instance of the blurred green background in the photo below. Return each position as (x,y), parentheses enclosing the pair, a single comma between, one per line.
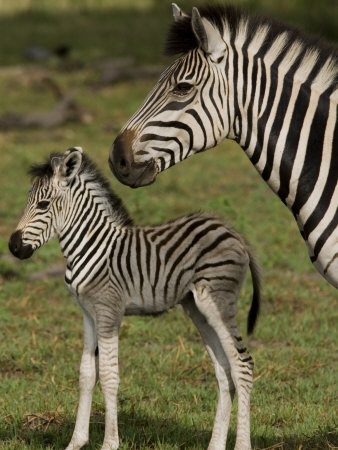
(167,396)
(104,28)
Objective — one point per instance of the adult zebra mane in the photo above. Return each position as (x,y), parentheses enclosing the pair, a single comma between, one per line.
(232,19)
(89,169)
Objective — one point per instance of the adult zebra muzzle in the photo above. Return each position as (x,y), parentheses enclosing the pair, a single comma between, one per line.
(18,248)
(123,165)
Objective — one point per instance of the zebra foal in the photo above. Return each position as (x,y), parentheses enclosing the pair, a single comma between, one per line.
(116,268)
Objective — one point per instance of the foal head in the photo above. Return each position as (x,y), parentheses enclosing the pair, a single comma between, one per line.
(47,203)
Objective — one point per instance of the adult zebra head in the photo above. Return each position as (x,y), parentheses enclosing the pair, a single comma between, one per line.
(47,202)
(187,111)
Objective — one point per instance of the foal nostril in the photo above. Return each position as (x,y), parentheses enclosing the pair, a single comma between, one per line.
(18,248)
(15,242)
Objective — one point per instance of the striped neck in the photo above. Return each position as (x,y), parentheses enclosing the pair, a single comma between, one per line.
(87,217)
(282,96)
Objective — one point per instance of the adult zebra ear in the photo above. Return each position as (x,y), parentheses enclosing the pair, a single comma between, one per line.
(70,164)
(178,13)
(208,36)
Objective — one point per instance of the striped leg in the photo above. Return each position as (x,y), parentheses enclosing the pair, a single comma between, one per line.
(222,370)
(88,378)
(108,325)
(220,315)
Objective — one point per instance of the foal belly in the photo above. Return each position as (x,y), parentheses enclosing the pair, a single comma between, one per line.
(149,301)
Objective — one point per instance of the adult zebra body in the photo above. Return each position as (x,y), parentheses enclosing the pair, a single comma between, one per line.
(264,85)
(115,268)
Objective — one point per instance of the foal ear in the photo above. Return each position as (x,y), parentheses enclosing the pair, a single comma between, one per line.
(70,164)
(178,13)
(208,36)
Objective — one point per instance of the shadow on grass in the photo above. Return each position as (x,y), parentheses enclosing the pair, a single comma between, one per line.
(141,431)
(136,431)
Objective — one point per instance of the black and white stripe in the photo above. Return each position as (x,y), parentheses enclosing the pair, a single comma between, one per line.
(116,268)
(262,84)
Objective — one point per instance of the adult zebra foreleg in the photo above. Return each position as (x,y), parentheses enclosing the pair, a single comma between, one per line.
(88,378)
(226,386)
(218,306)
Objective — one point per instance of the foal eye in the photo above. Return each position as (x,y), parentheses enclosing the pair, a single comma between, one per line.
(182,88)
(43,204)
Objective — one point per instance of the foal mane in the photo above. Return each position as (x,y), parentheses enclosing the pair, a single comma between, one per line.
(89,170)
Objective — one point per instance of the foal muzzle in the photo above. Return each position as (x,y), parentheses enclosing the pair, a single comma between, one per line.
(18,248)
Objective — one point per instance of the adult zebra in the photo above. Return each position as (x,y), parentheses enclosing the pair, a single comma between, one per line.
(264,85)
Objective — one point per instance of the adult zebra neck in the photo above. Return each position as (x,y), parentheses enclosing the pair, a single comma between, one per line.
(285,119)
(287,125)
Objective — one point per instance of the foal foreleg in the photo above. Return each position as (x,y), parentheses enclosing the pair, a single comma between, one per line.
(226,386)
(108,324)
(88,378)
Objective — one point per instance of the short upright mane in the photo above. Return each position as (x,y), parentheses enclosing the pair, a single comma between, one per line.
(181,38)
(44,169)
(88,167)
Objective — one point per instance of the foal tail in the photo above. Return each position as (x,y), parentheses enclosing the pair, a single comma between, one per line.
(256,296)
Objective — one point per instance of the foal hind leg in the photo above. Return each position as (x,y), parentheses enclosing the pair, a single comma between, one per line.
(218,306)
(226,386)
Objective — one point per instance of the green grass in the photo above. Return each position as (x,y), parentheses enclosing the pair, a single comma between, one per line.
(168,394)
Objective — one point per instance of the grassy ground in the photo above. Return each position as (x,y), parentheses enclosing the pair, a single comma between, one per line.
(167,396)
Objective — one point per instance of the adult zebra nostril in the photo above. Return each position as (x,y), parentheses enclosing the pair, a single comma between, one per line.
(121,156)
(123,167)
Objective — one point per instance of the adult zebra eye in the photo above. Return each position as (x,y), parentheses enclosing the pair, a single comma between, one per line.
(182,88)
(43,204)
